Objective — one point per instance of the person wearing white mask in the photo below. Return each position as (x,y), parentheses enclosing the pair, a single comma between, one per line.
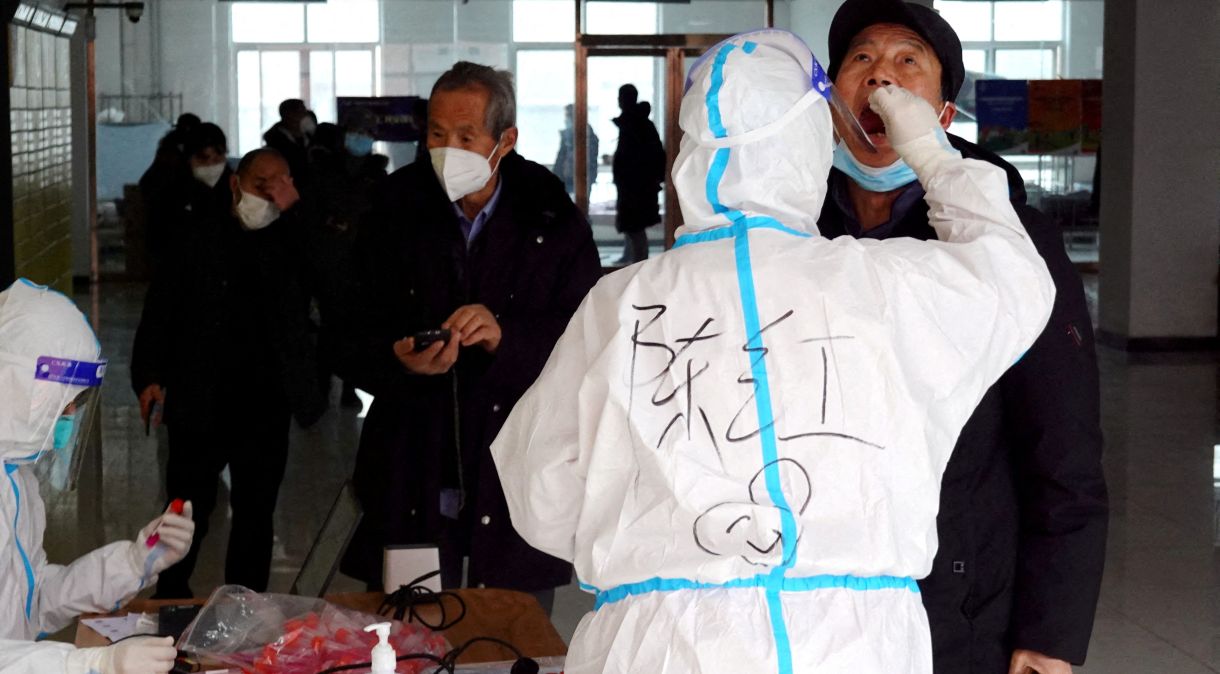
(290,136)
(50,372)
(190,160)
(475,240)
(225,354)
(740,443)
(207,152)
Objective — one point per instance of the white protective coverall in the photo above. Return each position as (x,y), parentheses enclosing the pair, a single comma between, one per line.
(36,597)
(740,443)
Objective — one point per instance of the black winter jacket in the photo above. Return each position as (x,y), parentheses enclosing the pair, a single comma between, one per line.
(1023,511)
(638,170)
(229,296)
(531,265)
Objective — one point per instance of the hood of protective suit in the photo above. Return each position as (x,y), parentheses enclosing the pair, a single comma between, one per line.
(758,136)
(36,321)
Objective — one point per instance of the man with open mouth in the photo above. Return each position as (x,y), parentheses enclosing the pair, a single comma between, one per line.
(1023,510)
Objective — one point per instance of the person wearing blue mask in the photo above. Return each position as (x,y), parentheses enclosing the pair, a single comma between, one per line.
(50,372)
(346,173)
(1027,467)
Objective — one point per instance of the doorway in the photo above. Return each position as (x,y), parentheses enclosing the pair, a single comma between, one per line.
(607,72)
(603,63)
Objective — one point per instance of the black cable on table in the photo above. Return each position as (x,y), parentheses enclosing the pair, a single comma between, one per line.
(404,601)
(448,663)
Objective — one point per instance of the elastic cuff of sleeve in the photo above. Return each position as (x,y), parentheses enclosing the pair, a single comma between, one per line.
(84,661)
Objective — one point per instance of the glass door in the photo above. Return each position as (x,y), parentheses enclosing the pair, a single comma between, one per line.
(626,130)
(658,74)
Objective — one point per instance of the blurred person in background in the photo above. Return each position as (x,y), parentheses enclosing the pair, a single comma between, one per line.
(639,170)
(565,161)
(346,175)
(290,136)
(165,189)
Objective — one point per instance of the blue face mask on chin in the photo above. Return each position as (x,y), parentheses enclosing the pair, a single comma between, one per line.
(358,145)
(64,427)
(873,179)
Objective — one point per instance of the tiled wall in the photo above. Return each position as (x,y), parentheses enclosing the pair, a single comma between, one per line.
(41,119)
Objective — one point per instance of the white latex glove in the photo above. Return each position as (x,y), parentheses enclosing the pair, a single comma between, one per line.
(913,129)
(175,535)
(141,655)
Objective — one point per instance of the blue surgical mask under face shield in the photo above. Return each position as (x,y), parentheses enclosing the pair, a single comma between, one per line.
(65,429)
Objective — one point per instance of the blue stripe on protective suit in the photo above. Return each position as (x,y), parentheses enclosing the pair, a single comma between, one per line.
(719,233)
(806,584)
(758,366)
(9,469)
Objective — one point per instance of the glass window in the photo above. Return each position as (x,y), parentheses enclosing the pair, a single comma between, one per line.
(267,22)
(322,85)
(975,60)
(971,19)
(1025,64)
(545,84)
(281,79)
(1029,21)
(249,101)
(354,73)
(715,16)
(20,38)
(621,18)
(965,128)
(345,21)
(544,20)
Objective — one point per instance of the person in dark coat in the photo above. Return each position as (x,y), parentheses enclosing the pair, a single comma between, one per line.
(226,346)
(565,160)
(345,174)
(290,137)
(1023,513)
(166,189)
(639,170)
(477,240)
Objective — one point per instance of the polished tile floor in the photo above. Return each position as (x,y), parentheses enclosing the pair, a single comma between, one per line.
(1160,605)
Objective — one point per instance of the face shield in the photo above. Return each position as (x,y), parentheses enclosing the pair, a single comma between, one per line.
(62,449)
(758,133)
(846,125)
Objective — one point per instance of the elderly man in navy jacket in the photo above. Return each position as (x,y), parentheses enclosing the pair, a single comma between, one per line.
(1023,511)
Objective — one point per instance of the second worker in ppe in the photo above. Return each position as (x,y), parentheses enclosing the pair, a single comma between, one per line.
(49,359)
(740,443)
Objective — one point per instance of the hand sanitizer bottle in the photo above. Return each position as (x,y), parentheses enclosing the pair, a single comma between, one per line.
(384,660)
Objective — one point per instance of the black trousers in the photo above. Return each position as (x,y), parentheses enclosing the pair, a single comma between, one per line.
(635,246)
(253,443)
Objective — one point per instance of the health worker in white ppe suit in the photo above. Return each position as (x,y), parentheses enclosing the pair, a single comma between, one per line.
(50,371)
(740,443)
